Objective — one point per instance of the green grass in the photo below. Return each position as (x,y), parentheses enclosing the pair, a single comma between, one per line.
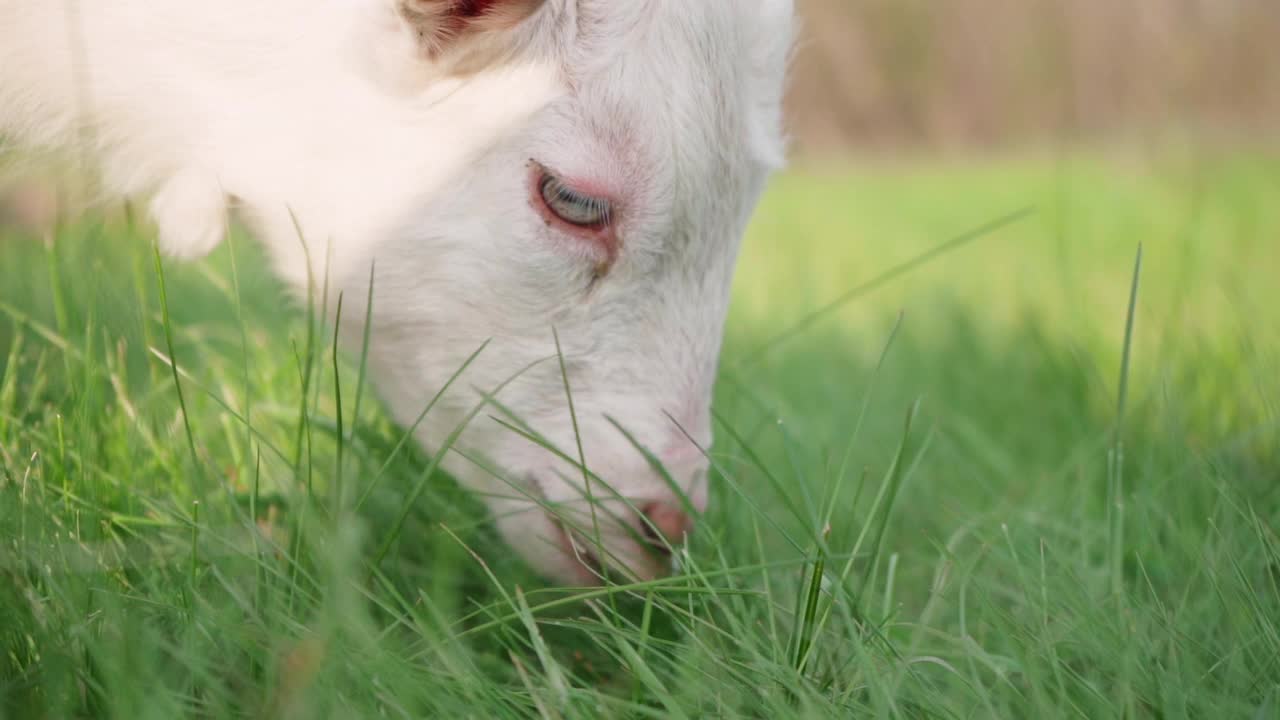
(932,502)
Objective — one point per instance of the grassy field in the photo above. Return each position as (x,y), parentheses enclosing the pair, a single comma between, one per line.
(939,498)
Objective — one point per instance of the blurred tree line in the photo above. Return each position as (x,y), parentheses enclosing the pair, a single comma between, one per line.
(966,73)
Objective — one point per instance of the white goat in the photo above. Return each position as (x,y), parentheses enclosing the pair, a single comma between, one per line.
(505,166)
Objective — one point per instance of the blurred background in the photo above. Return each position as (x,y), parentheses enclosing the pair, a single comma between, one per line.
(947,74)
(1114,123)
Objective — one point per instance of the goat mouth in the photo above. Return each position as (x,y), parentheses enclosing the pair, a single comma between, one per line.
(586,557)
(587,564)
(656,559)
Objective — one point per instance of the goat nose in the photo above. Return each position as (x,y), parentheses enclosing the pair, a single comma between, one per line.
(669,521)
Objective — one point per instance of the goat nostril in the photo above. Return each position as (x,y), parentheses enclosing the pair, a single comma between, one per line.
(667,524)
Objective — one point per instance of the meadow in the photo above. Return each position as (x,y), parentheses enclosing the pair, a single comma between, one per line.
(965,467)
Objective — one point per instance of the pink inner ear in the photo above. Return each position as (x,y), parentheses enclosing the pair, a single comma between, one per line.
(473,8)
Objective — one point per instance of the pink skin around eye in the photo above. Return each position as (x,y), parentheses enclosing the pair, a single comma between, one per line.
(603,239)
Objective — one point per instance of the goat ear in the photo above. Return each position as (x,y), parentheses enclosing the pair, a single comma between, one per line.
(440,25)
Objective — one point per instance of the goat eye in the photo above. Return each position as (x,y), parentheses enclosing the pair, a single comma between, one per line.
(573,207)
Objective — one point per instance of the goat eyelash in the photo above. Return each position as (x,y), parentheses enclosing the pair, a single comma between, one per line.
(573,207)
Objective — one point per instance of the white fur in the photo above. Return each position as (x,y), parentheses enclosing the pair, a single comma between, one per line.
(326,112)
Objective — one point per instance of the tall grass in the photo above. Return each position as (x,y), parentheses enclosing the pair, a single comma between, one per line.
(914,512)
